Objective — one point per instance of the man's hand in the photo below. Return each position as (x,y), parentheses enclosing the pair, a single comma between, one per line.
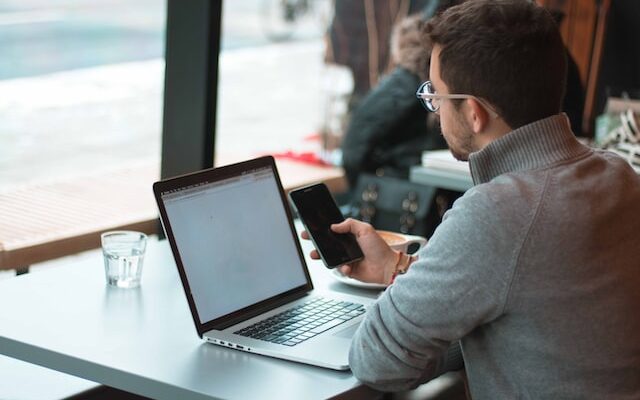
(379,260)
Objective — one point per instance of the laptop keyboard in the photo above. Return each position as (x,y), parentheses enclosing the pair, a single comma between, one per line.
(303,322)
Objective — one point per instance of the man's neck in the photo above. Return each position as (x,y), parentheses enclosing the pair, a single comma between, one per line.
(495,129)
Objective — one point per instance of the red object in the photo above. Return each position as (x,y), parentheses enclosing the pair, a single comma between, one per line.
(314,137)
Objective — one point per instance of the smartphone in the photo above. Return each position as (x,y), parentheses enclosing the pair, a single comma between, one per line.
(318,210)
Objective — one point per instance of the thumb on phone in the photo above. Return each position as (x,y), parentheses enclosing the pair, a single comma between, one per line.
(350,225)
(343,227)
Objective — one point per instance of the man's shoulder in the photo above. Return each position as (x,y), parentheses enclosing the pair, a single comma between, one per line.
(502,206)
(507,190)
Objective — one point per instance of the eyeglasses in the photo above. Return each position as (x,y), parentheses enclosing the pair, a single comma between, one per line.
(431,101)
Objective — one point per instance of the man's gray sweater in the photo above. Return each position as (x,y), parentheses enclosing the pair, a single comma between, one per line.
(536,270)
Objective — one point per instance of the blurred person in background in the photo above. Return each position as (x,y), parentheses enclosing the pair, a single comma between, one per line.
(388,130)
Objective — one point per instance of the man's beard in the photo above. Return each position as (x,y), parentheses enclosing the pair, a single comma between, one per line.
(464,141)
(460,156)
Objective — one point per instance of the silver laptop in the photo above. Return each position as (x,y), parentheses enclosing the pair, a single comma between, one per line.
(243,270)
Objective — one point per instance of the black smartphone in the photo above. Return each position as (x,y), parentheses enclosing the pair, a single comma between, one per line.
(318,210)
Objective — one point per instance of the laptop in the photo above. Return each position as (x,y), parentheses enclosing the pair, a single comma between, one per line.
(243,270)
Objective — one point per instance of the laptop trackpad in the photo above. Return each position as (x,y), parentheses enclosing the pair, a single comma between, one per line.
(347,332)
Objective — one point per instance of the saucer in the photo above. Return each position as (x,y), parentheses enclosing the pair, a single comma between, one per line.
(354,282)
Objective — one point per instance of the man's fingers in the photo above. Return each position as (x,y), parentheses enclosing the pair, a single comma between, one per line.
(345,270)
(305,235)
(314,255)
(346,226)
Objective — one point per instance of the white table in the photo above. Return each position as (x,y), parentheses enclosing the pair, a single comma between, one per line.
(144,341)
(441,178)
(440,169)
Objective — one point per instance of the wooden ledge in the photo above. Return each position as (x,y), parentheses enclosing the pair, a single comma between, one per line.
(295,174)
(46,221)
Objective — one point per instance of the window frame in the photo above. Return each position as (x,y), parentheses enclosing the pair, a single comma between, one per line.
(192,47)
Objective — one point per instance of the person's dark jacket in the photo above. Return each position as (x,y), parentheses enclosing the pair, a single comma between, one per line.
(388,130)
(573,103)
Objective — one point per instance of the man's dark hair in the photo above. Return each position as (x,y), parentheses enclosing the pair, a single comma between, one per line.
(508,52)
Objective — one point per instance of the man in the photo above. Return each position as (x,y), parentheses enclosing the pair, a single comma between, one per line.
(536,269)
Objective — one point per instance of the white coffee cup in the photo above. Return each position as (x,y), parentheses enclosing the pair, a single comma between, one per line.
(402,242)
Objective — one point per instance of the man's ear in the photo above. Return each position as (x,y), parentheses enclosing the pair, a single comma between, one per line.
(478,116)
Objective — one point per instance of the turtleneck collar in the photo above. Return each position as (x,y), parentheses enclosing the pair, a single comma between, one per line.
(539,144)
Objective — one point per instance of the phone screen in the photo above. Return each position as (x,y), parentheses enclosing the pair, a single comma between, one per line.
(318,211)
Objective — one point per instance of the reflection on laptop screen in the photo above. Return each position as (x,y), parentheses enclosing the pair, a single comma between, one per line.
(235,242)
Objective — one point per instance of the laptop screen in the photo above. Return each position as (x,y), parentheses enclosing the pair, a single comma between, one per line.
(235,241)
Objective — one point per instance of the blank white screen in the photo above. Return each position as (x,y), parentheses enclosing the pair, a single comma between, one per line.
(235,243)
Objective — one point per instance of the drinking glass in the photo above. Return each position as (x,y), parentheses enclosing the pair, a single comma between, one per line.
(123,257)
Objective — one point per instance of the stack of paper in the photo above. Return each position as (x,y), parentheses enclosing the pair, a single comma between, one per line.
(443,160)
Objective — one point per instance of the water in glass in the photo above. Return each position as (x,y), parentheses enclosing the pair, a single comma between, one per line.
(123,266)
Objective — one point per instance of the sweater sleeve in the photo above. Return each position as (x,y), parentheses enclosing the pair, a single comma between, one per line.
(460,281)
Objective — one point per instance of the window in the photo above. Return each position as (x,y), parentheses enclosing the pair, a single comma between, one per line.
(80,87)
(275,92)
